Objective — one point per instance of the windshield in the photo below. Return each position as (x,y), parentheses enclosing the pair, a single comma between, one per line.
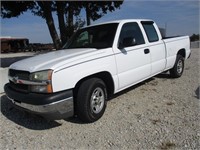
(100,36)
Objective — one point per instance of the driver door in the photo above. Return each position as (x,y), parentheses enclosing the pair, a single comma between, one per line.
(133,59)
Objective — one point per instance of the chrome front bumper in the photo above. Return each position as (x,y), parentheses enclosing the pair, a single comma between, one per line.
(52,107)
(63,107)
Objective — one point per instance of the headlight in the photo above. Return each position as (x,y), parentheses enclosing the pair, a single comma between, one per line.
(41,76)
(44,80)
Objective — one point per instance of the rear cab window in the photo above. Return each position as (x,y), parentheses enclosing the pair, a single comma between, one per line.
(150,31)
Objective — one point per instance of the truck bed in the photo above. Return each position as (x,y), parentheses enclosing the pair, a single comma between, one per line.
(169,37)
(173,44)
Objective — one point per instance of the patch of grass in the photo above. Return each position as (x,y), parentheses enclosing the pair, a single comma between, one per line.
(167,145)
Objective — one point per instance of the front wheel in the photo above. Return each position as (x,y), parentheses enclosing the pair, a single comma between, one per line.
(91,100)
(178,68)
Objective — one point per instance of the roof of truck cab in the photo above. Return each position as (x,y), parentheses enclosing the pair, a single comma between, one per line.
(119,21)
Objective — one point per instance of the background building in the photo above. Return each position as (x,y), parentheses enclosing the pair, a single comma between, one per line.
(13,44)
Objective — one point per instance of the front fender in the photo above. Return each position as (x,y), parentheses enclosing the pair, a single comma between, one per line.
(67,78)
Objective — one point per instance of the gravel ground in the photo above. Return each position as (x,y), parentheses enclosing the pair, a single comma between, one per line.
(160,113)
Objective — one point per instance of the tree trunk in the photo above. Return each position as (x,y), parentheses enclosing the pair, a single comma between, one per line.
(46,7)
(87,15)
(70,19)
(60,10)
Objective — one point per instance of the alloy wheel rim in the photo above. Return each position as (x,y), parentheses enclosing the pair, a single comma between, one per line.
(180,66)
(97,100)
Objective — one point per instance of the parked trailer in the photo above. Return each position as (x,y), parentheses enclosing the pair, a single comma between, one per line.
(10,44)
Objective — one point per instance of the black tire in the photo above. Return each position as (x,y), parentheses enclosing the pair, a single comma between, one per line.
(178,68)
(91,100)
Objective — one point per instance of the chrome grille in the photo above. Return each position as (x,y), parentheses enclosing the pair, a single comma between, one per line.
(24,75)
(20,74)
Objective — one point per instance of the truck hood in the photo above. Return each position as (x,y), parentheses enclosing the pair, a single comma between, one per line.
(57,59)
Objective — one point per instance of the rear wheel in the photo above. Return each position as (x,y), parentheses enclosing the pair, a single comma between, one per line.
(178,68)
(91,100)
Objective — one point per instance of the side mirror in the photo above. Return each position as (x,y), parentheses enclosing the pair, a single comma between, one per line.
(129,41)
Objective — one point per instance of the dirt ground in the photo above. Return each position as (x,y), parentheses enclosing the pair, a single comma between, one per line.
(160,113)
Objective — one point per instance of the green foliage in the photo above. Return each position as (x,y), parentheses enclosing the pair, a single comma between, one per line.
(66,11)
(15,8)
(194,37)
(96,9)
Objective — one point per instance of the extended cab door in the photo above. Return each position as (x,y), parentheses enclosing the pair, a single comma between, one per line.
(156,47)
(132,56)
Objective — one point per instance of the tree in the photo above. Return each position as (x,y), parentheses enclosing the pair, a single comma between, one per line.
(40,8)
(96,9)
(194,37)
(60,5)
(9,9)
(73,9)
(66,10)
(46,7)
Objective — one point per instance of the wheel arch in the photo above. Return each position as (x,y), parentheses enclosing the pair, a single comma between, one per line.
(182,52)
(105,76)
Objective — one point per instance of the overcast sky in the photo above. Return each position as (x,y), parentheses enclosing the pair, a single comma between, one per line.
(180,18)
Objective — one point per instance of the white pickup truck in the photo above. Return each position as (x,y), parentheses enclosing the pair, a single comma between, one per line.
(98,61)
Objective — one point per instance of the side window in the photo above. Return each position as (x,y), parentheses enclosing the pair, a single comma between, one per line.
(150,31)
(130,35)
